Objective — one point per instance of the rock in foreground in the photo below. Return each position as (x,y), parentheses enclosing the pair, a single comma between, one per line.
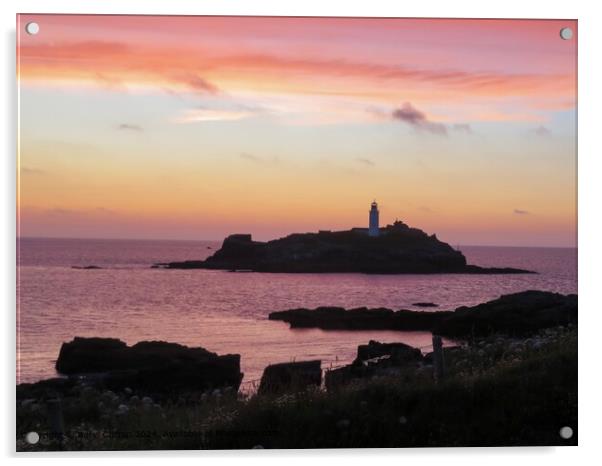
(399,249)
(513,314)
(291,376)
(154,365)
(398,352)
(375,359)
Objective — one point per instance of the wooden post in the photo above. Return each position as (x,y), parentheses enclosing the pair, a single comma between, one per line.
(438,361)
(55,420)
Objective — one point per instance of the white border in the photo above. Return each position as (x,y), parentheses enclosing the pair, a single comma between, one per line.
(590,194)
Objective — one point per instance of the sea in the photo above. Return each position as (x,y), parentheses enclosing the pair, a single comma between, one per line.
(227,312)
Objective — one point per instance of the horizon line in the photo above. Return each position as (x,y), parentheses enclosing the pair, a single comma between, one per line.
(219,240)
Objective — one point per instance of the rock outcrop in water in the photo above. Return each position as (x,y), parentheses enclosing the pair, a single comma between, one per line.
(513,314)
(399,249)
(338,318)
(154,365)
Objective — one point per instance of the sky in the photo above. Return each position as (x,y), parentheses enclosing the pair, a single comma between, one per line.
(199,127)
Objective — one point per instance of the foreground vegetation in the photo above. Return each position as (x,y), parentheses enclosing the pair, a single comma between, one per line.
(498,391)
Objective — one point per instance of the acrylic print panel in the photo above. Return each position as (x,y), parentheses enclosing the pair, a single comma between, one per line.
(271,232)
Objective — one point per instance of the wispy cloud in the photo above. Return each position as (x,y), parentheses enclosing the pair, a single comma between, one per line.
(60,211)
(257,159)
(462,128)
(412,116)
(32,171)
(130,127)
(542,131)
(201,114)
(251,157)
(366,162)
(196,83)
(214,70)
(521,212)
(111,82)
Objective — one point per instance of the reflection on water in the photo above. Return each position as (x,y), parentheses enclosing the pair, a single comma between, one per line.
(227,312)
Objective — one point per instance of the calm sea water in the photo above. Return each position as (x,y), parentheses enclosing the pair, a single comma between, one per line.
(227,312)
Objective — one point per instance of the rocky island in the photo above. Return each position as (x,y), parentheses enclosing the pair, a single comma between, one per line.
(396,249)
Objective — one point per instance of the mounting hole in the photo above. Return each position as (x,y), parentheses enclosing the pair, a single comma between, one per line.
(32,438)
(32,28)
(566,33)
(566,432)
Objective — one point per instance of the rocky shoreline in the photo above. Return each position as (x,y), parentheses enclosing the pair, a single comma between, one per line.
(399,249)
(386,397)
(513,314)
(516,351)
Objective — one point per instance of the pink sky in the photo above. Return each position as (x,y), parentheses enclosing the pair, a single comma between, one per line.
(271,125)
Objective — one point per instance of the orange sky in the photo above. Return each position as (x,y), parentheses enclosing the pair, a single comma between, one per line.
(196,127)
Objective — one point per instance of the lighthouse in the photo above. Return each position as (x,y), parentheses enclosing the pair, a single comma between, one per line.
(373,229)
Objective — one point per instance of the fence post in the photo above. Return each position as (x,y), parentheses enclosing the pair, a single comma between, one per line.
(55,420)
(438,360)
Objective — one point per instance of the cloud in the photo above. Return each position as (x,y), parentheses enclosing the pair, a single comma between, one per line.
(197,83)
(129,127)
(32,171)
(104,210)
(219,111)
(521,212)
(60,211)
(259,160)
(251,157)
(542,131)
(201,114)
(410,115)
(366,162)
(417,119)
(166,65)
(462,128)
(111,82)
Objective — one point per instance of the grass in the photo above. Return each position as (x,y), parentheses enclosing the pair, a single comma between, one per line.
(497,392)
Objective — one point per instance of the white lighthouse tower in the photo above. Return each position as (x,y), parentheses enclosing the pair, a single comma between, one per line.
(373,229)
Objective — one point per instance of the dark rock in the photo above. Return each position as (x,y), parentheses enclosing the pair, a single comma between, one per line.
(399,249)
(475,269)
(399,353)
(46,389)
(337,318)
(90,355)
(87,267)
(513,314)
(450,355)
(342,376)
(425,305)
(374,359)
(290,376)
(149,364)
